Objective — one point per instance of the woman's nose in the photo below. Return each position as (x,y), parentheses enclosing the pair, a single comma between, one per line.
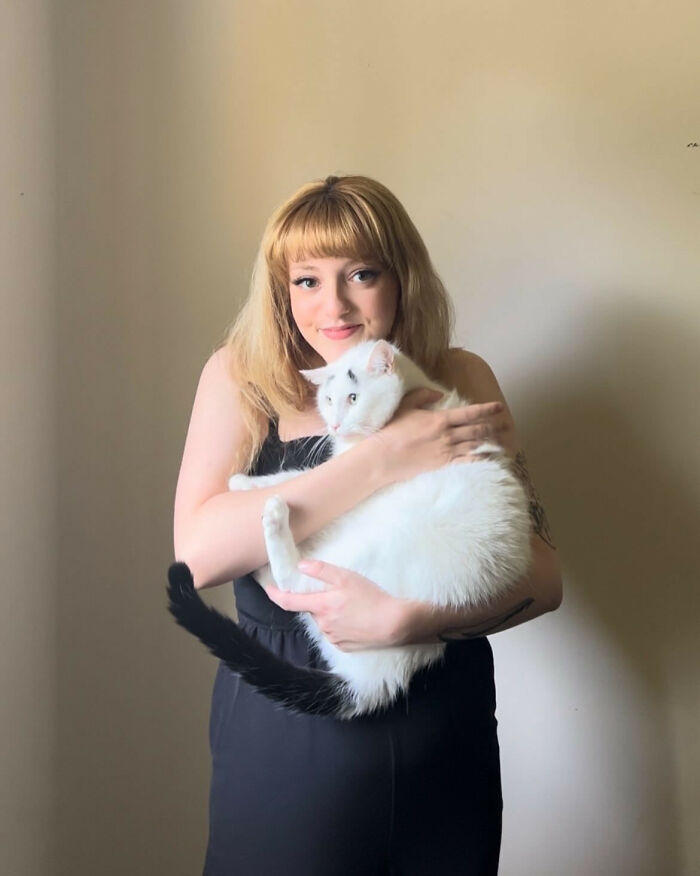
(336,304)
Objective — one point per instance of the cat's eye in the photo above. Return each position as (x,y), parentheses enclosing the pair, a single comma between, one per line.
(352,398)
(328,399)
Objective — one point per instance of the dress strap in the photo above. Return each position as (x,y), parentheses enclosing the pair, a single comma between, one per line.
(273,430)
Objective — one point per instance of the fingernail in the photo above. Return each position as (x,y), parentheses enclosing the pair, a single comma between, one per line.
(305,565)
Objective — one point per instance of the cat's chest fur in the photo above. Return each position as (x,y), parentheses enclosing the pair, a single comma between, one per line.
(453,536)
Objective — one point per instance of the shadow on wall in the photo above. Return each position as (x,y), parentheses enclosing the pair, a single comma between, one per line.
(621,442)
(623,472)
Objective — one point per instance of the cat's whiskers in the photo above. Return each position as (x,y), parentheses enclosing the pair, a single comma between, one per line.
(317,449)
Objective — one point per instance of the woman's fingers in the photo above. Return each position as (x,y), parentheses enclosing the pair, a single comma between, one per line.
(417,440)
(313,602)
(468,414)
(479,432)
(472,425)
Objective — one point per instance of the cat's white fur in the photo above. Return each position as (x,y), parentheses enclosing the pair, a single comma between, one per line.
(455,536)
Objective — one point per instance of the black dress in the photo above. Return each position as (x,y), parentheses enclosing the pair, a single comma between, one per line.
(412,791)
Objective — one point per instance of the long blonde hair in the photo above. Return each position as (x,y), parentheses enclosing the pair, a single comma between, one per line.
(347,216)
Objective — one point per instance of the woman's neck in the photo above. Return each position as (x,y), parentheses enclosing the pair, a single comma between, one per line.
(301,423)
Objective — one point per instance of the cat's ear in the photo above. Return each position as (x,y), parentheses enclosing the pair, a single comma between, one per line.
(381,359)
(315,375)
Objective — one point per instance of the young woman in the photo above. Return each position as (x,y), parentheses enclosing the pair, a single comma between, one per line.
(413,790)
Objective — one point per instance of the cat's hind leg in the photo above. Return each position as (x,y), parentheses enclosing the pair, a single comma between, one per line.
(282,553)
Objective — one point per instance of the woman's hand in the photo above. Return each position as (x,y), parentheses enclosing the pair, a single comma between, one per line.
(353,613)
(417,440)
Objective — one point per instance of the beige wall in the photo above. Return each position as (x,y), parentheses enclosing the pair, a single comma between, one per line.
(27,438)
(542,150)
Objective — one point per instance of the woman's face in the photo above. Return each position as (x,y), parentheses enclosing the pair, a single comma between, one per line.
(332,293)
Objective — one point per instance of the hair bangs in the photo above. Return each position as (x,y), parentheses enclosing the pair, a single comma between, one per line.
(328,227)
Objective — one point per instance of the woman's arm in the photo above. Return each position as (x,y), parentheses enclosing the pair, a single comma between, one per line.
(540,591)
(354,613)
(218,533)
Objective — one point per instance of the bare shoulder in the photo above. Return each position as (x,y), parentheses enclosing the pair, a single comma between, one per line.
(216,430)
(474,380)
(471,376)
(217,392)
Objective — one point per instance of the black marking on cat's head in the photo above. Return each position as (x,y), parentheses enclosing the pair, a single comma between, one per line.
(359,392)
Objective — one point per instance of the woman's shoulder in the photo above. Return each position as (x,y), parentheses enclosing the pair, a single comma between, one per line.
(470,375)
(215,434)
(474,380)
(218,365)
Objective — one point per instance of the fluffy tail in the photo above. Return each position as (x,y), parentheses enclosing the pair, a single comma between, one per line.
(302,690)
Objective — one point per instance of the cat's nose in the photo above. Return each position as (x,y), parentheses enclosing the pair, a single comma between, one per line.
(335,426)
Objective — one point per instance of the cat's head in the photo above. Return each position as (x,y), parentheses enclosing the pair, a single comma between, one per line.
(359,392)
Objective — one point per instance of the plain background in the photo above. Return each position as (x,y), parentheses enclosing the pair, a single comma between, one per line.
(542,149)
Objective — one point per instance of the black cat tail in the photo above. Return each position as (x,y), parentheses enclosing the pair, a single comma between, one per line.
(303,690)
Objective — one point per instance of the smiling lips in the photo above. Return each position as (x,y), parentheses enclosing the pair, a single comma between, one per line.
(338,334)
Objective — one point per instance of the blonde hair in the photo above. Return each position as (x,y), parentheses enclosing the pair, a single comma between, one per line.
(349,216)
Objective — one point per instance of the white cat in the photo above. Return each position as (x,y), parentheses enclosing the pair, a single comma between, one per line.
(455,536)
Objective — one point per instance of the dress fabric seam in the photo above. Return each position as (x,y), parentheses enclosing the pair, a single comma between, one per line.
(392,809)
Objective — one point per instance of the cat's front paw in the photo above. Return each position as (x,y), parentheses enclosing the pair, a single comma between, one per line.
(489,449)
(275,517)
(240,482)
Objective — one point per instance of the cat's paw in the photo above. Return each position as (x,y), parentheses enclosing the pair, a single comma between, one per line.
(488,449)
(240,482)
(275,517)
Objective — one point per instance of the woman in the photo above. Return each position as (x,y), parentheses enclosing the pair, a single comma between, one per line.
(416,788)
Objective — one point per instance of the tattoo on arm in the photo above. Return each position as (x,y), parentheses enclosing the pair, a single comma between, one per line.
(475,631)
(541,527)
(537,514)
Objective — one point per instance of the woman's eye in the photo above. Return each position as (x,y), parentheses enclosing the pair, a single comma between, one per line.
(364,275)
(352,398)
(301,281)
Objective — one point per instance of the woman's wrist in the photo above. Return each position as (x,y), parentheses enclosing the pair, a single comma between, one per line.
(417,623)
(421,623)
(373,452)
(537,593)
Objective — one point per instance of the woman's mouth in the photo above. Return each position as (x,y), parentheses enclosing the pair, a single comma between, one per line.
(339,334)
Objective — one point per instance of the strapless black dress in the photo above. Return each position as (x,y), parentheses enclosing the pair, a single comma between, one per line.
(412,791)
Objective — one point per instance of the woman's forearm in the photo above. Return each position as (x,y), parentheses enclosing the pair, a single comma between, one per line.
(225,537)
(540,591)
